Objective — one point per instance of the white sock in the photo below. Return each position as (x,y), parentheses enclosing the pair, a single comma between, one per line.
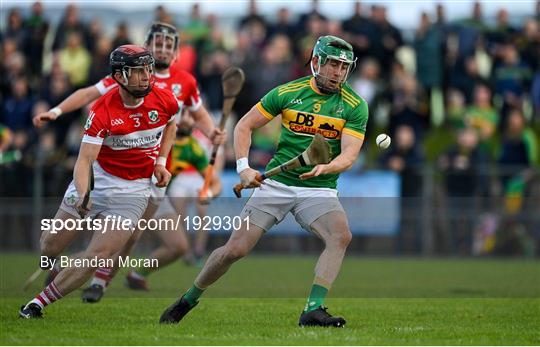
(137,276)
(99,281)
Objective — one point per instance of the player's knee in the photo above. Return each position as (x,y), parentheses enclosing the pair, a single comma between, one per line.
(49,247)
(235,251)
(100,255)
(343,238)
(178,248)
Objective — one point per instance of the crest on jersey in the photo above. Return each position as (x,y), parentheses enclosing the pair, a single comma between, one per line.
(89,120)
(153,116)
(176,89)
(70,200)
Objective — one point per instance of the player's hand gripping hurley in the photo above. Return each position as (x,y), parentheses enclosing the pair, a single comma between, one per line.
(232,82)
(318,152)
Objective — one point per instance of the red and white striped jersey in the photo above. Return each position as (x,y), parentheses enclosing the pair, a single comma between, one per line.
(181,83)
(130,135)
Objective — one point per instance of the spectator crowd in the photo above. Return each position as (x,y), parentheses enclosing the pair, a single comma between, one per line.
(461,96)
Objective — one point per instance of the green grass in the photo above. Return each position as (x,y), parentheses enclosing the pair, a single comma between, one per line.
(387,301)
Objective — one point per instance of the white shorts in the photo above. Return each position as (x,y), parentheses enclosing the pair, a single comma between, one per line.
(182,185)
(270,203)
(157,194)
(112,196)
(186,185)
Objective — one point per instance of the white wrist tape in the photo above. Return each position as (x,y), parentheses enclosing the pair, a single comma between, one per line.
(56,110)
(242,164)
(161,161)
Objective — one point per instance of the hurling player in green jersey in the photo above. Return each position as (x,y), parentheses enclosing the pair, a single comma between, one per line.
(323,103)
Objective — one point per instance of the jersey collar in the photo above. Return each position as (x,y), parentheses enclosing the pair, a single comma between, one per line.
(162,75)
(134,106)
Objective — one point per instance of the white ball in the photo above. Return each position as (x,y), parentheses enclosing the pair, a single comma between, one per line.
(383,141)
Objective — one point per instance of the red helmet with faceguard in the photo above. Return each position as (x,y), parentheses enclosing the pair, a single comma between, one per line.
(128,57)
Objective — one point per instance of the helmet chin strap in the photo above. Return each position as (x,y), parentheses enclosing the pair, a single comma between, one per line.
(136,93)
(161,65)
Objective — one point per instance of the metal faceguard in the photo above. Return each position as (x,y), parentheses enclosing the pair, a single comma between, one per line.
(332,48)
(164,31)
(128,57)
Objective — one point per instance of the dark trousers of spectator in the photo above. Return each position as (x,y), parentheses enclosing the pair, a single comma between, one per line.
(460,216)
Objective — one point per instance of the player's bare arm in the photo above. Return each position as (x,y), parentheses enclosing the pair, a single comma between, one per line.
(242,141)
(204,123)
(350,147)
(81,173)
(162,175)
(80,98)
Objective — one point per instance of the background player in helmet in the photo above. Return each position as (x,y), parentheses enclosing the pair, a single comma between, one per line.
(128,135)
(162,40)
(323,103)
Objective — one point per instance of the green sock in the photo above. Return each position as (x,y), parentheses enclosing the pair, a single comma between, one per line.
(193,294)
(316,297)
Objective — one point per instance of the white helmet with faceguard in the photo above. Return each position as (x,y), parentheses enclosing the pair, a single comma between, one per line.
(332,48)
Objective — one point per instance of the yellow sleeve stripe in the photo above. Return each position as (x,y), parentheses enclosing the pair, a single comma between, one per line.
(264,112)
(350,99)
(354,133)
(350,95)
(293,84)
(292,89)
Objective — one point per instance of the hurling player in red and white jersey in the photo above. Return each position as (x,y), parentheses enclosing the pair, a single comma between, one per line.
(128,135)
(162,41)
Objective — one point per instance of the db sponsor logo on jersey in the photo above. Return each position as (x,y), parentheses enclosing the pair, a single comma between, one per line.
(305,124)
(153,116)
(116,122)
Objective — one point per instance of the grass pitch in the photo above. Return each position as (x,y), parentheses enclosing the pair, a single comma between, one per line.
(390,301)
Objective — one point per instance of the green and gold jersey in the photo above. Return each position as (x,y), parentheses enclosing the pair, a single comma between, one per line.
(187,155)
(3,131)
(305,112)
